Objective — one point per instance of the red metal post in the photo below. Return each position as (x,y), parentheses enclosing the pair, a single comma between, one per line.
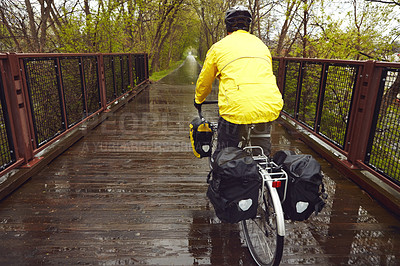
(130,67)
(19,108)
(362,112)
(6,84)
(62,95)
(146,66)
(321,95)
(83,78)
(298,90)
(102,81)
(281,74)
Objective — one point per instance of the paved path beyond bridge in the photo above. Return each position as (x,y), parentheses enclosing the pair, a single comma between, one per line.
(132,193)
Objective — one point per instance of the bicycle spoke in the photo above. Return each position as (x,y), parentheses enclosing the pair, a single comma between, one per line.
(264,244)
(265,248)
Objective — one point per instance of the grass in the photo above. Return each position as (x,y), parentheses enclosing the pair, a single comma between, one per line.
(156,76)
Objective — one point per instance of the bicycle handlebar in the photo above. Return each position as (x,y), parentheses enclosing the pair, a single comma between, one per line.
(205,102)
(210,102)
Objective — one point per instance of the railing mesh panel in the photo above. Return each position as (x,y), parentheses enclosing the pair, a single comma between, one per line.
(7,155)
(140,68)
(137,68)
(61,91)
(134,74)
(309,93)
(109,78)
(41,76)
(384,153)
(337,102)
(290,87)
(73,90)
(91,84)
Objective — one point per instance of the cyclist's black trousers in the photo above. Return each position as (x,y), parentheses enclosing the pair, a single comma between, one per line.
(232,135)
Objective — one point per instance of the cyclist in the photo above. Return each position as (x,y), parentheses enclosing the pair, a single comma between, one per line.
(248,93)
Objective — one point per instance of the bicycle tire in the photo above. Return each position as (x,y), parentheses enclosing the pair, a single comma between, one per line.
(261,233)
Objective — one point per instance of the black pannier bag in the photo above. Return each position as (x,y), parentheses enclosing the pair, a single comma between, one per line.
(234,186)
(201,136)
(305,191)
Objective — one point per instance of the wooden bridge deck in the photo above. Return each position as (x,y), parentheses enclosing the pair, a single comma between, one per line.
(131,192)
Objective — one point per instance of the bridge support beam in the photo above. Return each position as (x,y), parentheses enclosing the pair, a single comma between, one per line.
(19,112)
(365,100)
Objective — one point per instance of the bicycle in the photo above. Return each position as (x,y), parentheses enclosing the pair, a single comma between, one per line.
(264,234)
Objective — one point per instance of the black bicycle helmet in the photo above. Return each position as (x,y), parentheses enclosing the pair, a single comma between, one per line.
(237,18)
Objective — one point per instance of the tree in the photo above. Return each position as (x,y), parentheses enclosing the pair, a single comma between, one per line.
(296,28)
(167,14)
(211,15)
(27,23)
(260,11)
(165,29)
(290,12)
(364,32)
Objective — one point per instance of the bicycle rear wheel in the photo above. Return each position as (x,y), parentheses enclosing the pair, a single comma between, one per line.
(261,232)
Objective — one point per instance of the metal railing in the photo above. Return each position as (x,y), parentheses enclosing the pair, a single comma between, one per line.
(7,153)
(45,95)
(353,106)
(383,151)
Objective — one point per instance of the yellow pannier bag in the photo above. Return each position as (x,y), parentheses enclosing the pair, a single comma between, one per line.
(201,136)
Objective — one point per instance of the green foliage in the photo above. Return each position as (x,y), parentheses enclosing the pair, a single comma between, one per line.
(211,15)
(5,154)
(290,89)
(6,40)
(163,29)
(337,101)
(166,28)
(365,32)
(309,93)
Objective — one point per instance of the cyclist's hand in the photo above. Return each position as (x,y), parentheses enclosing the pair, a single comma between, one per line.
(197,105)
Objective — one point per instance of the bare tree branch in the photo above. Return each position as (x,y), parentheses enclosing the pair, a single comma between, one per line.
(394,2)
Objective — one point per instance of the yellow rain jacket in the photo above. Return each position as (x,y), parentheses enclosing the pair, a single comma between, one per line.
(247,86)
